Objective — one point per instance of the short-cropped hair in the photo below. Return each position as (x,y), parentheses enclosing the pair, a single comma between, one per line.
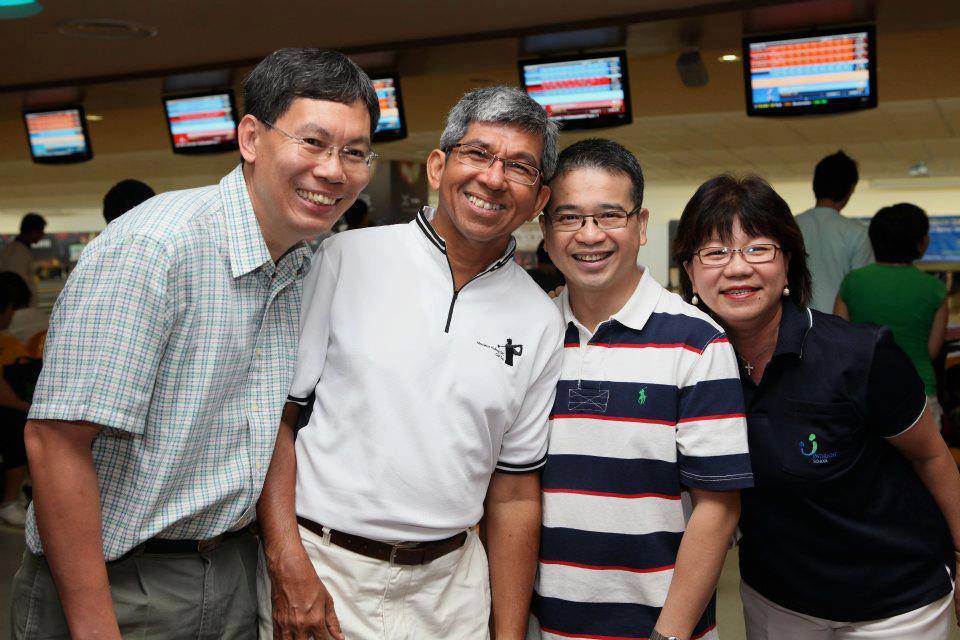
(606,155)
(761,212)
(835,176)
(123,196)
(503,105)
(316,74)
(897,231)
(14,291)
(32,222)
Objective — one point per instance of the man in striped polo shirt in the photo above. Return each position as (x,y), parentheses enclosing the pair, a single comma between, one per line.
(648,406)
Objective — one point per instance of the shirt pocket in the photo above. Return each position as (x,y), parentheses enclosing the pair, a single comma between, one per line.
(820,439)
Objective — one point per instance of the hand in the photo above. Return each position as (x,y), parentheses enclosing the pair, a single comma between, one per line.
(302,607)
(556,292)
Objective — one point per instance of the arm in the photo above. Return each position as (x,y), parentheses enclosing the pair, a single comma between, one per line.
(923,446)
(840,309)
(699,560)
(66,499)
(511,526)
(302,608)
(938,331)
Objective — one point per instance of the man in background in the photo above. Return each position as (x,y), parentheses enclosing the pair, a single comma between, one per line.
(835,245)
(17,257)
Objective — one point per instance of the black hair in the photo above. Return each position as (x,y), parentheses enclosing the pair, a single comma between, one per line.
(835,177)
(317,74)
(897,231)
(32,222)
(605,155)
(356,214)
(13,291)
(761,212)
(123,196)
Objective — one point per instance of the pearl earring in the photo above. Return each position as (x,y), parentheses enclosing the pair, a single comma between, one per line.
(786,292)
(694,300)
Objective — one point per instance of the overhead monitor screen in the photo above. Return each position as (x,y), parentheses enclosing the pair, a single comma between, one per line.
(204,123)
(580,92)
(392,125)
(58,135)
(811,73)
(944,240)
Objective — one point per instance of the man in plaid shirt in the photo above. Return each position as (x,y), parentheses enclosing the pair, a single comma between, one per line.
(169,355)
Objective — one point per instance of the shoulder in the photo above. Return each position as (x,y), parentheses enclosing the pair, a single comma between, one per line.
(536,304)
(833,333)
(683,323)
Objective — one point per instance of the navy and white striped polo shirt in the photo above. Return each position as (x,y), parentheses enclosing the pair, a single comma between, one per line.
(647,405)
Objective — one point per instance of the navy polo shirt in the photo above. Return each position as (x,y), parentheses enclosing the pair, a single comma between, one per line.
(838,525)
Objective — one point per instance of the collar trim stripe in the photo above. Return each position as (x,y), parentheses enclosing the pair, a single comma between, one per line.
(428,231)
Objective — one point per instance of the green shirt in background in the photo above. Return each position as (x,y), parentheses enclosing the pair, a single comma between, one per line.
(902,298)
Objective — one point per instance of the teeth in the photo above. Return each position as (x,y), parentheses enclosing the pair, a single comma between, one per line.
(739,291)
(483,204)
(314,197)
(593,257)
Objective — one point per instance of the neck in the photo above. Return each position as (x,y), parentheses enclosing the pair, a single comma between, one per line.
(830,204)
(277,243)
(593,307)
(756,340)
(467,257)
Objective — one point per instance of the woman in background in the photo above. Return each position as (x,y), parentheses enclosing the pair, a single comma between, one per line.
(896,294)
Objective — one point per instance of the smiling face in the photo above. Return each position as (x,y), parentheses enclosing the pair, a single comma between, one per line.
(480,208)
(295,196)
(593,260)
(743,295)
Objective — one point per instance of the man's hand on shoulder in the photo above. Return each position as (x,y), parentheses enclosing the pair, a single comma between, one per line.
(302,606)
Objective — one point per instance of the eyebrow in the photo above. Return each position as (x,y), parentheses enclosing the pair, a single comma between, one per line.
(317,130)
(521,156)
(602,205)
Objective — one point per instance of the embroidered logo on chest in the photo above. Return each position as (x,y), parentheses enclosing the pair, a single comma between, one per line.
(506,352)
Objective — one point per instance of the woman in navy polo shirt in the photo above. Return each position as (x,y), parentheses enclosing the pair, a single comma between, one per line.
(851,529)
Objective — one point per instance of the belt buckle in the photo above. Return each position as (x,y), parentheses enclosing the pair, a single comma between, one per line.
(204,546)
(401,545)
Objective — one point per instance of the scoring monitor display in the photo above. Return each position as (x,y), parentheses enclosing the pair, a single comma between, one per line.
(811,73)
(58,135)
(580,92)
(392,125)
(944,240)
(204,123)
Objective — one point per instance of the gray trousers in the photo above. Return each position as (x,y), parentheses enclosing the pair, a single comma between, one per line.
(201,596)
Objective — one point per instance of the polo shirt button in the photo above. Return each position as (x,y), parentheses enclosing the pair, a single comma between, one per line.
(259,351)
(255,407)
(259,466)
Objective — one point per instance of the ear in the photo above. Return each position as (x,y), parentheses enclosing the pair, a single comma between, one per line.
(248,136)
(543,226)
(436,161)
(687,267)
(642,219)
(542,198)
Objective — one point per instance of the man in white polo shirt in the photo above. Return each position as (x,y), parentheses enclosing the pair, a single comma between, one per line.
(433,359)
(648,405)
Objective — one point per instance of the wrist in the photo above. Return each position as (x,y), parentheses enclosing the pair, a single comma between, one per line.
(656,635)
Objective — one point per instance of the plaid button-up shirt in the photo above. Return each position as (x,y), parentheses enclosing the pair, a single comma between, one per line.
(178,334)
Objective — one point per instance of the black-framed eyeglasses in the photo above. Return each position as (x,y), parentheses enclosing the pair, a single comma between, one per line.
(480,158)
(606,220)
(351,158)
(721,256)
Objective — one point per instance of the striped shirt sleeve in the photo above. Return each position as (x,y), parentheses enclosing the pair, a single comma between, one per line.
(712,449)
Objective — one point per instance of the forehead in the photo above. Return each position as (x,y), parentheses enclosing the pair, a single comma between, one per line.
(734,232)
(590,187)
(337,118)
(506,140)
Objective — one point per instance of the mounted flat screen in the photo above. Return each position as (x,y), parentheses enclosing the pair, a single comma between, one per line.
(580,92)
(944,240)
(202,123)
(811,73)
(393,124)
(58,135)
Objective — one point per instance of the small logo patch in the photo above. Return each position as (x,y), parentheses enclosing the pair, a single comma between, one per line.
(814,457)
(506,352)
(642,396)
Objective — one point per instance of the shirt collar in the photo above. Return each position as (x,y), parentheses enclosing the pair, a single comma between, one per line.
(795,324)
(247,248)
(637,310)
(423,222)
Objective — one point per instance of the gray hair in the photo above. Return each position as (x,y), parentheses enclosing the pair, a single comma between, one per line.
(503,105)
(317,74)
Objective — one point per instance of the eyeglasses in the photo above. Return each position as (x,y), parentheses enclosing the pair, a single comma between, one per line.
(480,158)
(752,253)
(351,159)
(606,220)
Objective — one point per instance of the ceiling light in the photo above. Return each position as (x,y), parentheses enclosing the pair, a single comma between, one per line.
(919,170)
(13,9)
(105,29)
(93,117)
(729,57)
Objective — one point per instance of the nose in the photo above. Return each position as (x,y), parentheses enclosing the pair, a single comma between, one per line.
(493,176)
(590,232)
(329,167)
(737,266)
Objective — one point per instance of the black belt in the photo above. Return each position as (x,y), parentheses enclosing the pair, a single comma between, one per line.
(164,545)
(404,553)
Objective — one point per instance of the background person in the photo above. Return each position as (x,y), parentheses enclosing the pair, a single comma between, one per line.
(123,196)
(852,527)
(835,245)
(16,255)
(896,294)
(13,409)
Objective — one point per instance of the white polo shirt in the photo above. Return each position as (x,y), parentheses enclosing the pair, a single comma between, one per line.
(421,392)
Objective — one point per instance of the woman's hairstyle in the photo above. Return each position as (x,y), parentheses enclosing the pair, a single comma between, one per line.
(897,231)
(761,211)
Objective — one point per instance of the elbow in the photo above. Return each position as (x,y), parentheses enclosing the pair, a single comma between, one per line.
(34,443)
